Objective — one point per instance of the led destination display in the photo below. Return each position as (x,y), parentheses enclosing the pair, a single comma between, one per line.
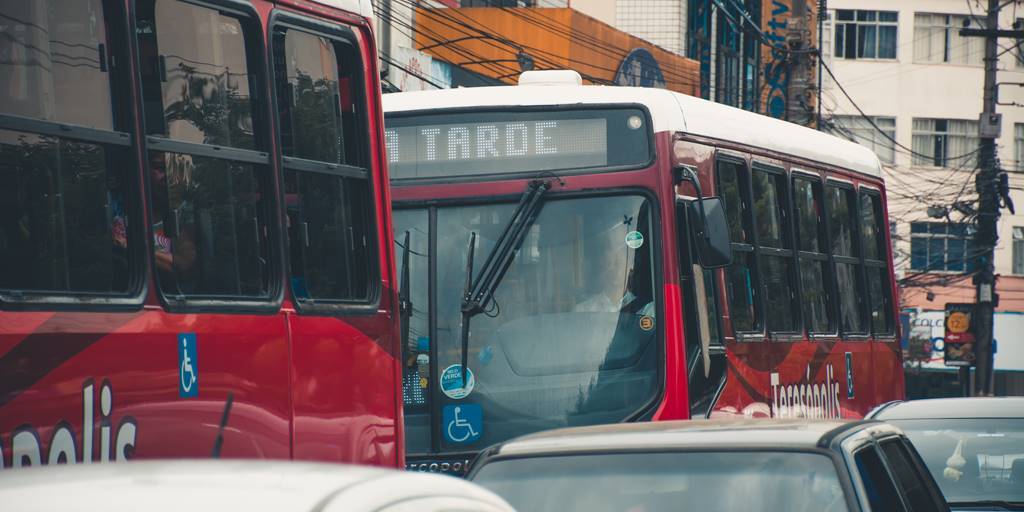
(500,143)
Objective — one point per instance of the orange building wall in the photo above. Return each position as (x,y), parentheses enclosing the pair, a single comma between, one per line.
(486,40)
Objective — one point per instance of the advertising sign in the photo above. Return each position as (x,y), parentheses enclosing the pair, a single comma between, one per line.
(959,338)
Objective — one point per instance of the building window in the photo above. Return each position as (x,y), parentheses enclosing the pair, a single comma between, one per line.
(1018,145)
(861,131)
(865,34)
(940,247)
(937,39)
(1018,250)
(1018,51)
(945,142)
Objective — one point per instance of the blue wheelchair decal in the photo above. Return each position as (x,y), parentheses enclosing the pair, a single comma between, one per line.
(463,423)
(188,367)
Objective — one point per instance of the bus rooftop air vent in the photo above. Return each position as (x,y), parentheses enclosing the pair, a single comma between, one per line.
(551,77)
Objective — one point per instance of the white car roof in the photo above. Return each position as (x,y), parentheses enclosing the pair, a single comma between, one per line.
(249,485)
(670,111)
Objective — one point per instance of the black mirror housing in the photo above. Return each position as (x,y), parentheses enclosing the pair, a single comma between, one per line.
(709,232)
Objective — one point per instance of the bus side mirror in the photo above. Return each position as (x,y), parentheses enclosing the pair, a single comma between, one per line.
(710,232)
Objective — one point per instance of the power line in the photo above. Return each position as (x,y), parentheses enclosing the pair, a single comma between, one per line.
(384,57)
(873,124)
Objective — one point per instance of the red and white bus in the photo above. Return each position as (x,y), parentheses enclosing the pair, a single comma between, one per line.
(575,212)
(195,251)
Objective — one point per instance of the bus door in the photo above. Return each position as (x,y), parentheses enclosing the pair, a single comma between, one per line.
(705,353)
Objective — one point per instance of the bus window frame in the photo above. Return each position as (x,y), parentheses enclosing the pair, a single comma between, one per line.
(889,336)
(511,109)
(759,332)
(124,134)
(786,208)
(645,411)
(858,259)
(815,178)
(344,33)
(264,132)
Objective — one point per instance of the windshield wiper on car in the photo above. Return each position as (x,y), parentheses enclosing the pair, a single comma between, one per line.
(1005,505)
(479,292)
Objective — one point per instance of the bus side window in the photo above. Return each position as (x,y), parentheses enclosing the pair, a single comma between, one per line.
(775,249)
(326,169)
(210,201)
(875,256)
(741,276)
(845,239)
(812,248)
(67,169)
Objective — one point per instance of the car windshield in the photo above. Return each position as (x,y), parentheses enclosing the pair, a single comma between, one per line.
(568,339)
(976,459)
(649,482)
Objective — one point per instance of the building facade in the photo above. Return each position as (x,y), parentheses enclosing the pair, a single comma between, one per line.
(919,83)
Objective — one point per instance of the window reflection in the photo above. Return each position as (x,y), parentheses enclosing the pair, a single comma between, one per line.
(63,217)
(54,61)
(197,58)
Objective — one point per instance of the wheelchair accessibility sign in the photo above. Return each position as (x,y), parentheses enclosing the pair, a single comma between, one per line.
(188,369)
(463,423)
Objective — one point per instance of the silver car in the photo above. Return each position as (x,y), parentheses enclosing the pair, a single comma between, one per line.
(712,466)
(228,485)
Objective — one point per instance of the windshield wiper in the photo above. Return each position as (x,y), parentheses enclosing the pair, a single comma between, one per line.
(1007,505)
(480,292)
(404,303)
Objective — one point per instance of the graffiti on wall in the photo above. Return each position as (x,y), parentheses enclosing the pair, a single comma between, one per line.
(775,60)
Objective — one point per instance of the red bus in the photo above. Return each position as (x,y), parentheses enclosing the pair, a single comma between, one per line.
(549,238)
(194,233)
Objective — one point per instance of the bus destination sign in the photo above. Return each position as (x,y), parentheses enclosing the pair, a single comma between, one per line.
(476,148)
(492,143)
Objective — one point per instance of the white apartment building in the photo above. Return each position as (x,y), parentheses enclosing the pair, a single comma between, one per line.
(906,66)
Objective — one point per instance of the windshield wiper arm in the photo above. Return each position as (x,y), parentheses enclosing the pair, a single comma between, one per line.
(404,303)
(480,292)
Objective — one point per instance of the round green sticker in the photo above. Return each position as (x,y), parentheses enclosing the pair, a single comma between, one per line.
(634,240)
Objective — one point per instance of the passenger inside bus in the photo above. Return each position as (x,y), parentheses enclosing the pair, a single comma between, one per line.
(173,248)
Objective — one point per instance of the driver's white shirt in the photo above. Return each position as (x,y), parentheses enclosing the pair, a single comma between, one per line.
(600,303)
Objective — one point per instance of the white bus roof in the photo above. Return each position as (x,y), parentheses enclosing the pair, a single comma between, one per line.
(671,111)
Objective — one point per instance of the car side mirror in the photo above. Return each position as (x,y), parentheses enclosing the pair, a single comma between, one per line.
(709,232)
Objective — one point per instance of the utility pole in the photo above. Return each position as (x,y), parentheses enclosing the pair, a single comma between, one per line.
(798,39)
(987,185)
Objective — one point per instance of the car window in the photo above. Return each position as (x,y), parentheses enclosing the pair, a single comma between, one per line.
(879,487)
(911,481)
(655,482)
(971,459)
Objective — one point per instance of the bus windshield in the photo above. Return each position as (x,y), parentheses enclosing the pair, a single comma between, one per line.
(567,340)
